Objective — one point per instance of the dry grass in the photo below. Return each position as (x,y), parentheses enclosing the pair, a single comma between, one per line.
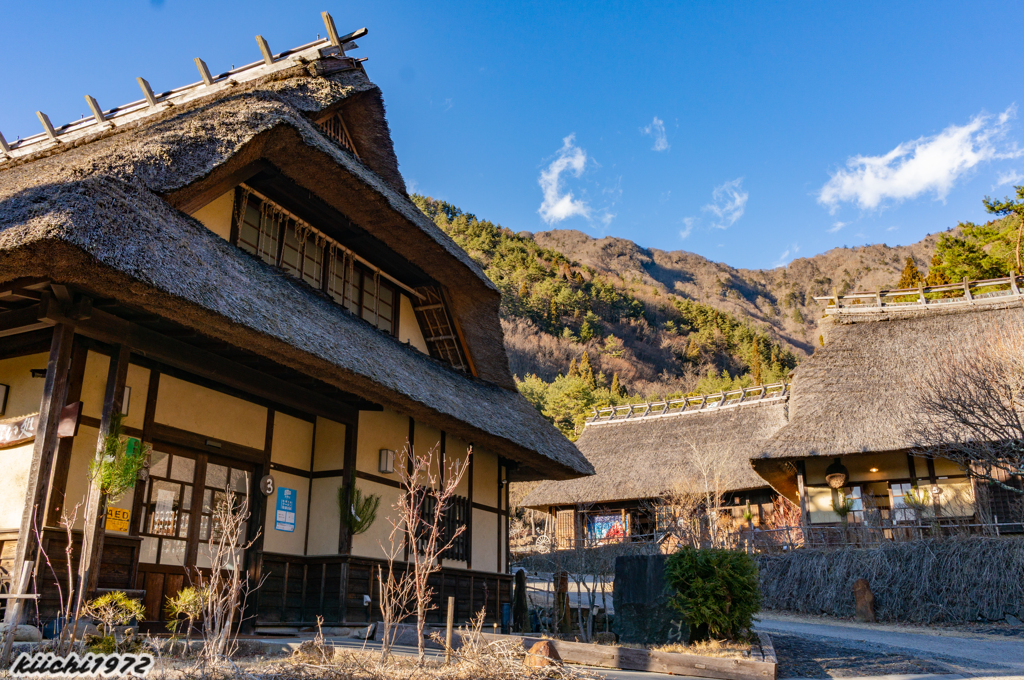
(474,661)
(719,649)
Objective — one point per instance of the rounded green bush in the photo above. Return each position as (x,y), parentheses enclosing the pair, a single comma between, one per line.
(716,590)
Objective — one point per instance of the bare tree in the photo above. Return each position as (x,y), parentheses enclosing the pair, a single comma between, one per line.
(428,488)
(224,590)
(396,590)
(970,406)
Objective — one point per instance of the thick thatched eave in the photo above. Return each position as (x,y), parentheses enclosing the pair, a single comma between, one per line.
(647,457)
(189,153)
(855,394)
(114,238)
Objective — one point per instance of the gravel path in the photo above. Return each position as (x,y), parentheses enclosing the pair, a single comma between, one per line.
(811,647)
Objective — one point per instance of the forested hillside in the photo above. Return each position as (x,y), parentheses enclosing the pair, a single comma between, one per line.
(616,323)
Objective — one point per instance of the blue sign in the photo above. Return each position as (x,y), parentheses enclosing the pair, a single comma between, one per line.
(285,520)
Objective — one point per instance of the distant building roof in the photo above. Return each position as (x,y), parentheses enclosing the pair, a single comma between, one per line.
(647,456)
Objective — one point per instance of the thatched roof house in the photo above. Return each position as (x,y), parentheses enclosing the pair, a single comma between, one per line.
(854,398)
(106,208)
(644,452)
(236,266)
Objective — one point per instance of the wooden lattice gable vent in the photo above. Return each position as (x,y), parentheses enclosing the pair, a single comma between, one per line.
(440,331)
(333,125)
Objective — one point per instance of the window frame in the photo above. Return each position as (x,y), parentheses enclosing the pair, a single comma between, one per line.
(332,255)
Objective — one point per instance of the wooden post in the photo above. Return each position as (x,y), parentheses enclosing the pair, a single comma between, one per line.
(563,617)
(257,529)
(96,505)
(62,457)
(54,394)
(802,490)
(448,630)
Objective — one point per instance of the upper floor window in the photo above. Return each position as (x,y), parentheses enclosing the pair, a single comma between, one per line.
(280,239)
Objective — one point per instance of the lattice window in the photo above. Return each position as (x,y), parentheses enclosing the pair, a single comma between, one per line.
(335,128)
(282,240)
(456,515)
(439,330)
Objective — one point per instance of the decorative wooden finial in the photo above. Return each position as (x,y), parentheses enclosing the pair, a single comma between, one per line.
(97,112)
(47,126)
(204,71)
(147,91)
(332,32)
(268,58)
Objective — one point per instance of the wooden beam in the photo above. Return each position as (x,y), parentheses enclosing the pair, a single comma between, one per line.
(54,397)
(96,504)
(97,112)
(24,320)
(47,126)
(204,72)
(62,462)
(147,91)
(268,58)
(4,146)
(111,329)
(257,528)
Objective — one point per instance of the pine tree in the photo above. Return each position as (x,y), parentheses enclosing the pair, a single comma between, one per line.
(572,368)
(524,290)
(911,277)
(616,388)
(586,372)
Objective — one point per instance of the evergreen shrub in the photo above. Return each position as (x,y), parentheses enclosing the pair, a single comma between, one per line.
(717,591)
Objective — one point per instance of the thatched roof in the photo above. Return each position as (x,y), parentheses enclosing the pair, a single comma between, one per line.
(102,213)
(854,395)
(646,457)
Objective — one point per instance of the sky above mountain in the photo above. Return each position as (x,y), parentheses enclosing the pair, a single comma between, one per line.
(751,133)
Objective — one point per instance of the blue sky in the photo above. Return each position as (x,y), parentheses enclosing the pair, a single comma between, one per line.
(751,133)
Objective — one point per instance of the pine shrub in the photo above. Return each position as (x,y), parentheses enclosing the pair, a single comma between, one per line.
(717,591)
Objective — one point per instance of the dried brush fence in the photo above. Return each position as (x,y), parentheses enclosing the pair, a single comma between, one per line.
(949,580)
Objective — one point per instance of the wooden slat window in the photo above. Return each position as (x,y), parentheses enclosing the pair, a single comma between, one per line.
(334,127)
(264,230)
(455,516)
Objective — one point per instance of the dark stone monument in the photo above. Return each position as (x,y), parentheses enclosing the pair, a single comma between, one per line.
(642,612)
(865,601)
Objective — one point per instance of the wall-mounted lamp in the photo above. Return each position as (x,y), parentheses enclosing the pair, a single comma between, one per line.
(873,470)
(387,461)
(38,372)
(4,391)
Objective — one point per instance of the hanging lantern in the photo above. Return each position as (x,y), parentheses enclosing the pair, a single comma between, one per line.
(836,474)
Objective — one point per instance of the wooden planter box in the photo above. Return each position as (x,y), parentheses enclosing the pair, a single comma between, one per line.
(757,667)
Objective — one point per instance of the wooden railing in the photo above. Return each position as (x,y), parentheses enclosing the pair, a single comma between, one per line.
(705,402)
(966,293)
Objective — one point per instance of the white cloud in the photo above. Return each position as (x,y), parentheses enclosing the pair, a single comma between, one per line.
(559,204)
(1010,177)
(687,229)
(656,129)
(892,228)
(925,164)
(837,226)
(728,203)
(784,258)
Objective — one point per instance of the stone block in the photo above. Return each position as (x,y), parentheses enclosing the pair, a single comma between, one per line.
(23,633)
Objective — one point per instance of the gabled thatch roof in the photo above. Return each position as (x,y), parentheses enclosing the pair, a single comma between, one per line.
(646,457)
(855,394)
(101,214)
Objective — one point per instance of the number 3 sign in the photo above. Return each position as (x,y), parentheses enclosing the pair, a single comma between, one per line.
(267,485)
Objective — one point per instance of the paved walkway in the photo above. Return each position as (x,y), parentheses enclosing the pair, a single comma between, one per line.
(974,655)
